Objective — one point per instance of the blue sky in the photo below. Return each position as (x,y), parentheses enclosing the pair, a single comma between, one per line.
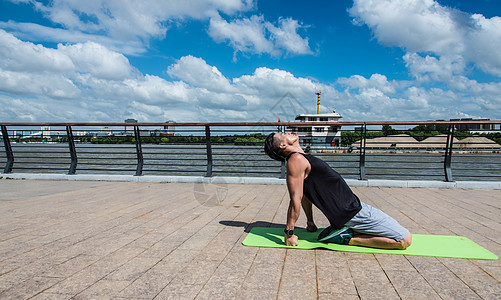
(246,60)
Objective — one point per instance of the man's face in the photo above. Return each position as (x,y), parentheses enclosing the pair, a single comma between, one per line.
(285,139)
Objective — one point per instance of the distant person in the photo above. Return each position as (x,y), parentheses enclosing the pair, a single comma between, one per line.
(311,180)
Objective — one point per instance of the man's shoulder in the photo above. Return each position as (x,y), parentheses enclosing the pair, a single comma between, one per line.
(297,160)
(296,156)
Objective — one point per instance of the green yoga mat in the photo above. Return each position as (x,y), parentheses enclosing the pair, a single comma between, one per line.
(422,244)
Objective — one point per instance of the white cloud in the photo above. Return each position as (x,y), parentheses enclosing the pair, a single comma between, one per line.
(256,36)
(155,90)
(197,72)
(376,99)
(121,25)
(90,82)
(244,35)
(17,55)
(376,81)
(432,68)
(286,37)
(126,19)
(97,60)
(424,26)
(34,69)
(51,85)
(36,32)
(485,42)
(127,26)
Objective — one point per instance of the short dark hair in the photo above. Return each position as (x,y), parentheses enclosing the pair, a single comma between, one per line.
(271,149)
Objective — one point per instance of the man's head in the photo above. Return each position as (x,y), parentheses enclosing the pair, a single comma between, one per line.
(272,148)
(279,145)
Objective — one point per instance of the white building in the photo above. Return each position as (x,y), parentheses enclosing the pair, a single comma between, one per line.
(318,135)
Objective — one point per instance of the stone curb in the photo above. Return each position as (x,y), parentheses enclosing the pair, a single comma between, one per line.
(494,185)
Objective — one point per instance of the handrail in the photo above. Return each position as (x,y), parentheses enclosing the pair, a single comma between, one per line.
(373,157)
(243,124)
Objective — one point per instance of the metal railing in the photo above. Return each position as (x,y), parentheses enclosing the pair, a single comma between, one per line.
(366,150)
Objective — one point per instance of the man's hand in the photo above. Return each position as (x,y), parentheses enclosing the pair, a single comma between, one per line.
(291,240)
(311,227)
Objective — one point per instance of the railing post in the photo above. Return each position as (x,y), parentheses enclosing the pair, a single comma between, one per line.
(209,151)
(8,150)
(448,154)
(73,151)
(361,163)
(282,170)
(139,151)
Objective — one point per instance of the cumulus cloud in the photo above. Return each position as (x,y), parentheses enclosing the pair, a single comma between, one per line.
(18,55)
(124,19)
(76,79)
(122,25)
(196,71)
(376,98)
(256,36)
(422,27)
(97,60)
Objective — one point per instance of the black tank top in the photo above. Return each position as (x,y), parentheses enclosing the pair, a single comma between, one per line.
(328,191)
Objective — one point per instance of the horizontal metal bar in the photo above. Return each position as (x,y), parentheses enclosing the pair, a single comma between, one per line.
(37,168)
(402,162)
(469,169)
(243,166)
(41,163)
(250,124)
(175,165)
(16,146)
(254,172)
(112,170)
(400,168)
(104,164)
(403,174)
(174,171)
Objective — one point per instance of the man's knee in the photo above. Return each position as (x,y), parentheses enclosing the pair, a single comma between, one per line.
(405,242)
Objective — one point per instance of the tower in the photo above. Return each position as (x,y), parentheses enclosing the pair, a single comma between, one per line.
(318,101)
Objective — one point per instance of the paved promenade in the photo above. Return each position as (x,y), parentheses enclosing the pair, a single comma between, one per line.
(139,240)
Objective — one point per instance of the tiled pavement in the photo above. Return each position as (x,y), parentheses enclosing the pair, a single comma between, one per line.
(129,240)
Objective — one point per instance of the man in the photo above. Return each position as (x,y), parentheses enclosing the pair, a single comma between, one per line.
(312,181)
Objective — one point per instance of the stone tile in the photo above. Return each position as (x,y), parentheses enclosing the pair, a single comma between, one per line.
(154,280)
(441,279)
(29,288)
(132,269)
(51,296)
(299,275)
(335,296)
(257,294)
(370,280)
(127,240)
(103,289)
(71,266)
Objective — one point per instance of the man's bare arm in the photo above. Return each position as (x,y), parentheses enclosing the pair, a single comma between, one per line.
(296,170)
(307,207)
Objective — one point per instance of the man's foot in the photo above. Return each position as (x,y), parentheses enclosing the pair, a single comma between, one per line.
(338,236)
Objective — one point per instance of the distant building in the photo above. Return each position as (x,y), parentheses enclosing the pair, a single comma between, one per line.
(171,128)
(168,130)
(129,130)
(318,135)
(105,131)
(474,127)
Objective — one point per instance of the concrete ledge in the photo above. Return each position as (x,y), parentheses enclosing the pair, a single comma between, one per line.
(494,185)
(146,178)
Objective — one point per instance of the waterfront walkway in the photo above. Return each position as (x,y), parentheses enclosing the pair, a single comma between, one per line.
(140,240)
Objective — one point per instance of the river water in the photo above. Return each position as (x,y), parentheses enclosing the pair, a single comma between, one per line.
(229,160)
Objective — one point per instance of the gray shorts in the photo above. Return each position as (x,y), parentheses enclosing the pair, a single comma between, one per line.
(371,220)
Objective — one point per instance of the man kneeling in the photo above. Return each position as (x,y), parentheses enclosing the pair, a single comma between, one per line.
(312,181)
